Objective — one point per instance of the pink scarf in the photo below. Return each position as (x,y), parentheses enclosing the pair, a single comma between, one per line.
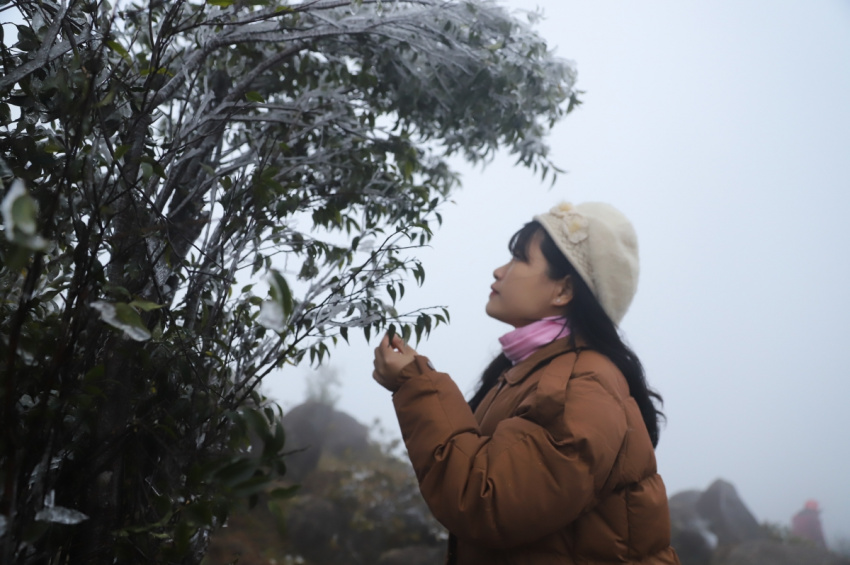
(520,343)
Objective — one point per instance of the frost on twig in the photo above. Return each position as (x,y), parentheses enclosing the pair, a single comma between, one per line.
(58,514)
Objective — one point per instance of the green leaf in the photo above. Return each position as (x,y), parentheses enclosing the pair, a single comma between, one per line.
(280,292)
(236,472)
(121,150)
(17,258)
(108,99)
(283,493)
(145,305)
(258,423)
(116,290)
(155,165)
(220,3)
(255,96)
(118,48)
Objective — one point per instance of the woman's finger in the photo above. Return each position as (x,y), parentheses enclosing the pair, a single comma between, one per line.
(398,343)
(381,350)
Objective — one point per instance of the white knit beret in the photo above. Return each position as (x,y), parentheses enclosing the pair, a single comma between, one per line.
(602,245)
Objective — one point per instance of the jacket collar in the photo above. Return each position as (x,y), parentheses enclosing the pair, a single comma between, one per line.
(527,366)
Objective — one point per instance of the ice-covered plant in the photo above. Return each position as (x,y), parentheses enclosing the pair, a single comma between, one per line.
(158,160)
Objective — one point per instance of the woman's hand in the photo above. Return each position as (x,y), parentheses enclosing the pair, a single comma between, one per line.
(390,360)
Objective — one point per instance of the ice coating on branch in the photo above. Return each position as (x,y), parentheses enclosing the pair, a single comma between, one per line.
(123,317)
(57,514)
(60,515)
(271,316)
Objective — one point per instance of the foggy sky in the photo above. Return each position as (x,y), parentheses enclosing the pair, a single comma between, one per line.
(721,129)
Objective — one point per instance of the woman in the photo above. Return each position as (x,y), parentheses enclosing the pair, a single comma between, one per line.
(552,461)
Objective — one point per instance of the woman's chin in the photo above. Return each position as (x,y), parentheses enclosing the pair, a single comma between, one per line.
(493,313)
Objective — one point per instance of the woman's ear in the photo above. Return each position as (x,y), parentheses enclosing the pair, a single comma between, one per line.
(564,293)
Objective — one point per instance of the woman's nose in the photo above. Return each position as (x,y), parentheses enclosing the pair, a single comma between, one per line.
(499,272)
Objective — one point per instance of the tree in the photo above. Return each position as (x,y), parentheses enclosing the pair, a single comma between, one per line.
(160,157)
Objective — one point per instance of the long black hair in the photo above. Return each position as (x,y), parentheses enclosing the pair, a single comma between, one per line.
(585,318)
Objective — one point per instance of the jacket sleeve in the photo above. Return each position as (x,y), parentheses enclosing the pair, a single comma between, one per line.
(534,475)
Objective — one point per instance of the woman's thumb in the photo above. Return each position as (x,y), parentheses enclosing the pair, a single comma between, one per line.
(398,343)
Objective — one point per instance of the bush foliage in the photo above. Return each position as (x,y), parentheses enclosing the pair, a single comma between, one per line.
(157,159)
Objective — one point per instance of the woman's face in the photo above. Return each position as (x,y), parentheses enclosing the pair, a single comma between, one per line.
(523,292)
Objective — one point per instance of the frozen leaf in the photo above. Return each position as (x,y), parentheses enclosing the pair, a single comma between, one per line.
(60,515)
(271,316)
(19,211)
(122,316)
(280,292)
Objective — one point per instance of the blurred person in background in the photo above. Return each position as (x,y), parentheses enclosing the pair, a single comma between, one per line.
(806,524)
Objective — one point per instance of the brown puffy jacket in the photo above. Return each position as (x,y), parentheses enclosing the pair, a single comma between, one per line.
(554,467)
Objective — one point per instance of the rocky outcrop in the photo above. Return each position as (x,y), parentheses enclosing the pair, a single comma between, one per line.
(703,521)
(314,428)
(715,527)
(693,539)
(357,505)
(313,525)
(728,517)
(774,552)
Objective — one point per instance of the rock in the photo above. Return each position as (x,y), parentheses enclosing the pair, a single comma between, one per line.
(727,515)
(345,436)
(314,427)
(691,536)
(414,555)
(313,525)
(691,547)
(683,505)
(771,552)
(703,521)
